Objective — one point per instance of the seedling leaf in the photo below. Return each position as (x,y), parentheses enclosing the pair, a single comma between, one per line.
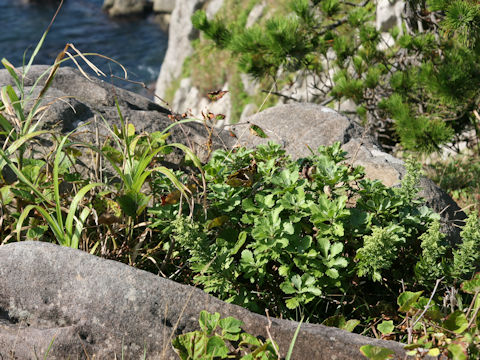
(376,352)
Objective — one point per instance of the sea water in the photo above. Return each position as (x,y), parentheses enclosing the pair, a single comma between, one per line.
(139,44)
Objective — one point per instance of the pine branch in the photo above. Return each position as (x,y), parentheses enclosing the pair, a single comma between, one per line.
(280,95)
(340,21)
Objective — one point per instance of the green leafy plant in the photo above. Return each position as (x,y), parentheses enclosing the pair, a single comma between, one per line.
(467,256)
(134,154)
(221,339)
(68,232)
(435,330)
(373,352)
(288,234)
(135,159)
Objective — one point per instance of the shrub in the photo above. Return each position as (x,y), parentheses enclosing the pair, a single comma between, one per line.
(292,235)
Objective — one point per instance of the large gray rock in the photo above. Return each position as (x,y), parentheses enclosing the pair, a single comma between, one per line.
(299,127)
(125,7)
(75,100)
(96,308)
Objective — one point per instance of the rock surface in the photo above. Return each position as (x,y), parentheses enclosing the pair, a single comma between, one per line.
(189,98)
(181,32)
(125,7)
(389,14)
(300,126)
(90,307)
(166,6)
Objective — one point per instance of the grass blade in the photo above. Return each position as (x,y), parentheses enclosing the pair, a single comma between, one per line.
(140,175)
(49,348)
(18,143)
(74,205)
(15,101)
(21,177)
(75,239)
(5,124)
(294,339)
(52,223)
(171,176)
(164,131)
(11,70)
(49,219)
(56,185)
(42,39)
(190,154)
(112,162)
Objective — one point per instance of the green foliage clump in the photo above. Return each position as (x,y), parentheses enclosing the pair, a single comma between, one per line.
(379,251)
(222,339)
(282,234)
(431,265)
(440,330)
(466,258)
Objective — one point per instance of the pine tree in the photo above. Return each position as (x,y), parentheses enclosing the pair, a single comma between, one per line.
(419,91)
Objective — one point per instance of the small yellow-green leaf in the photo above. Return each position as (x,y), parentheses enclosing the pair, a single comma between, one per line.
(376,352)
(217,222)
(208,322)
(242,237)
(386,327)
(456,322)
(130,130)
(216,347)
(292,303)
(351,324)
(457,352)
(6,195)
(407,299)
(257,131)
(472,286)
(231,325)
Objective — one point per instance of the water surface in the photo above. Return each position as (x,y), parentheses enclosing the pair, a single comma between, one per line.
(139,44)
